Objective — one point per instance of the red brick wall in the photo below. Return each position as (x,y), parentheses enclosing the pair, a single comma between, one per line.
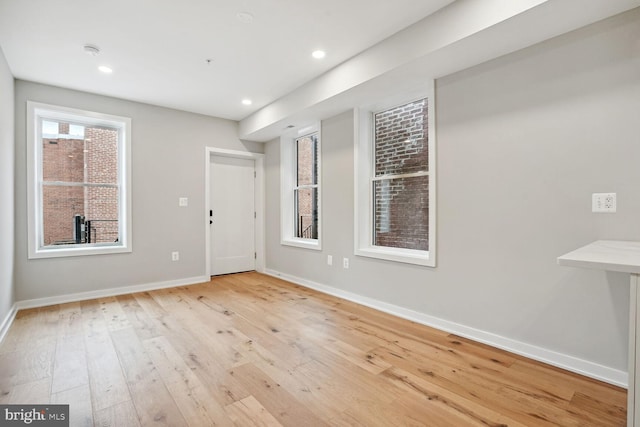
(102,167)
(92,160)
(401,205)
(305,147)
(62,160)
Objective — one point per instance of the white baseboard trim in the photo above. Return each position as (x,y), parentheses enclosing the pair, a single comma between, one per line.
(8,321)
(102,293)
(563,361)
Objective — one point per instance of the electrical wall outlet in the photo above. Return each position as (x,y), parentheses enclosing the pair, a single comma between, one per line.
(345,262)
(603,202)
(329,260)
(175,256)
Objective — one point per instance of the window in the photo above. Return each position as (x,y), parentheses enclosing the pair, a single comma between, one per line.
(78,182)
(395,210)
(300,187)
(306,187)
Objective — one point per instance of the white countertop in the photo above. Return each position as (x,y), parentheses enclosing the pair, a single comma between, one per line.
(610,255)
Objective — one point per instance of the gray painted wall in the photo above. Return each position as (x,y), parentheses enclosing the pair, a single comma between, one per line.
(168,150)
(7,297)
(522,143)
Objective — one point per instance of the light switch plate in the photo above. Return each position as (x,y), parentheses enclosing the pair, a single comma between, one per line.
(183,201)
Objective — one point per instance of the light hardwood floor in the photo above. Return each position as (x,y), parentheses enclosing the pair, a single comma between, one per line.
(249,349)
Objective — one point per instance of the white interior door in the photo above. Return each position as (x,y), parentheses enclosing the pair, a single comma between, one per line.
(232,227)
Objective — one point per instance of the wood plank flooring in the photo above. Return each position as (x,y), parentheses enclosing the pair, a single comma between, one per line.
(249,349)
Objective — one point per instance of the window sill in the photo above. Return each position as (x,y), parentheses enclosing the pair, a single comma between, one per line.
(302,243)
(407,256)
(60,252)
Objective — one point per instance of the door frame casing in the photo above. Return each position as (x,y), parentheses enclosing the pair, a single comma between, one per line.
(259,202)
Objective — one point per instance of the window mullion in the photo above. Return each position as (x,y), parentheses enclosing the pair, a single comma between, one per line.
(402,175)
(302,187)
(78,184)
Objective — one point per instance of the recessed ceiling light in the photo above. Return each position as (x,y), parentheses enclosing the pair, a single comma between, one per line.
(247,102)
(319,54)
(244,17)
(105,69)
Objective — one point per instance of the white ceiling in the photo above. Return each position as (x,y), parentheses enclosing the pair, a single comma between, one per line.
(375,49)
(463,34)
(158,48)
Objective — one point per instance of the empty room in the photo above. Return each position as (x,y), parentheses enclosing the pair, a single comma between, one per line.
(301,213)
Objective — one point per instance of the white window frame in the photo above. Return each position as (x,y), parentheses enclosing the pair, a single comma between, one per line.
(288,171)
(364,152)
(35,113)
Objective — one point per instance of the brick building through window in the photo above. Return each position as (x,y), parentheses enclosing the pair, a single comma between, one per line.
(401,181)
(306,191)
(80,184)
